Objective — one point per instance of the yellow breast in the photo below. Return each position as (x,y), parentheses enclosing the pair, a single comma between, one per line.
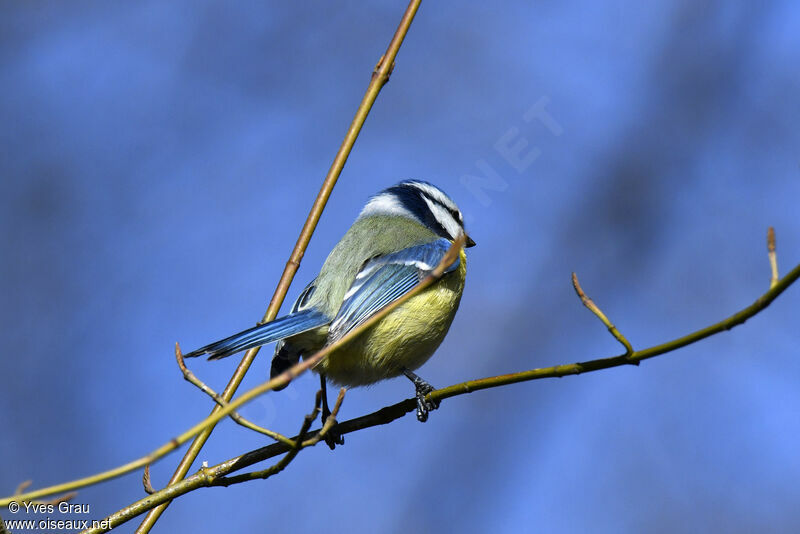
(405,338)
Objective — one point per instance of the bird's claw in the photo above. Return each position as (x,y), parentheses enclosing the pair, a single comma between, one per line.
(332,437)
(424,406)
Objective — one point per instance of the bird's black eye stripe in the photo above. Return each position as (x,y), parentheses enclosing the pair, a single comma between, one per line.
(453,212)
(456,215)
(413,199)
(416,200)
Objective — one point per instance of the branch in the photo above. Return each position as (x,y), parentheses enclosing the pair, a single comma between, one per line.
(390,413)
(190,377)
(773,259)
(278,381)
(380,76)
(148,487)
(602,316)
(25,484)
(776,288)
(300,442)
(214,476)
(208,476)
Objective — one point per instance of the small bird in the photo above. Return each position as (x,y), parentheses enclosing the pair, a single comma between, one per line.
(399,238)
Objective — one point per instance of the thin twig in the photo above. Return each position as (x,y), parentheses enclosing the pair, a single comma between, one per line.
(300,440)
(190,377)
(148,487)
(25,484)
(379,78)
(274,469)
(773,257)
(589,303)
(63,498)
(329,422)
(604,363)
(211,476)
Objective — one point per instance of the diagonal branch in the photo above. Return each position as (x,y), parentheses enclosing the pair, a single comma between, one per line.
(380,76)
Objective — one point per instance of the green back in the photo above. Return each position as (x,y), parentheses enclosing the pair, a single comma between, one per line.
(368,237)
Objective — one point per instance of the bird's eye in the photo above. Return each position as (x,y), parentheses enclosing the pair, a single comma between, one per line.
(457,216)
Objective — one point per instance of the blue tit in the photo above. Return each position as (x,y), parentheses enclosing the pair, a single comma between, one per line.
(400,236)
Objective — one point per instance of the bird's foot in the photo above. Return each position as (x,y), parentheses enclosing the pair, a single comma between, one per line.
(332,438)
(424,406)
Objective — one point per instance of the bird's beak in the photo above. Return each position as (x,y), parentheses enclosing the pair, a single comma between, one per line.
(470,242)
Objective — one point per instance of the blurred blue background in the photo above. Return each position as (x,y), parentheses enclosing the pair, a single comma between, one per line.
(159,158)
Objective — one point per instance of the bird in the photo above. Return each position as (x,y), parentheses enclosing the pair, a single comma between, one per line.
(401,235)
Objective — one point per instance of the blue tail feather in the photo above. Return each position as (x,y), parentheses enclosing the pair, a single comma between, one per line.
(280,328)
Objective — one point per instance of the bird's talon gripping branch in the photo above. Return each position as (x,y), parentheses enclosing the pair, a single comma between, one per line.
(332,438)
(424,406)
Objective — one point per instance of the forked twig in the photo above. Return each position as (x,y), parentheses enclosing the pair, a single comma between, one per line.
(190,377)
(301,443)
(589,303)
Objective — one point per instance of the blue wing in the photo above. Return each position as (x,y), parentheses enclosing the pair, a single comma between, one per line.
(282,327)
(385,279)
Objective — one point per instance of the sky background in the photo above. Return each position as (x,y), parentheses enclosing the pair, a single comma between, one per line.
(158,160)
